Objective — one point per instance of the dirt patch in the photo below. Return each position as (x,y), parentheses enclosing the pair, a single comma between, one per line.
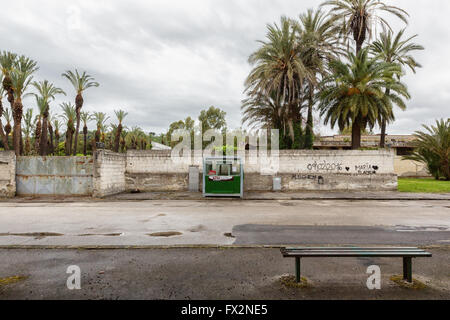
(10,280)
(165,234)
(290,282)
(416,284)
(36,235)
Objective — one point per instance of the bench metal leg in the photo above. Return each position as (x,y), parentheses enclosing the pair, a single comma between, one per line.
(297,270)
(407,269)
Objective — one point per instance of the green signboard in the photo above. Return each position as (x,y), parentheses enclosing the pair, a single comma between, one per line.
(223,177)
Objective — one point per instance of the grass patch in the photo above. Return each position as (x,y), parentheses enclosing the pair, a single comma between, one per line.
(416,284)
(423,185)
(289,281)
(10,280)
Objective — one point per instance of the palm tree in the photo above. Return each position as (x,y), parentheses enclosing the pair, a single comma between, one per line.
(7,61)
(279,69)
(2,132)
(100,119)
(47,92)
(358,17)
(85,117)
(395,50)
(262,112)
(8,127)
(41,104)
(51,147)
(80,84)
(69,114)
(433,148)
(319,44)
(354,93)
(21,77)
(120,114)
(56,126)
(28,121)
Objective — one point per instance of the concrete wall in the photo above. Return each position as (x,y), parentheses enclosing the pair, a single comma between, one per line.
(409,168)
(109,173)
(7,174)
(298,169)
(70,176)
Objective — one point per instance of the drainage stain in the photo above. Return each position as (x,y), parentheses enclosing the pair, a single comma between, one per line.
(164,234)
(36,235)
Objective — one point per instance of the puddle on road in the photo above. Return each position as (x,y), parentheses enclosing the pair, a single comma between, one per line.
(164,234)
(100,234)
(229,235)
(35,235)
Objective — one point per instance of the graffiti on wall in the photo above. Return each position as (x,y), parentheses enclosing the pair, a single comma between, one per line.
(316,178)
(366,169)
(325,166)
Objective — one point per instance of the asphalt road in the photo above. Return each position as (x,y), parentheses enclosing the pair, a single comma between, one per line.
(182,222)
(210,274)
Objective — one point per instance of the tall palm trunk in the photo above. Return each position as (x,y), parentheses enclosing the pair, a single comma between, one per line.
(356,135)
(78,105)
(117,139)
(85,132)
(51,148)
(383,128)
(44,134)
(2,132)
(37,135)
(309,134)
(7,85)
(69,136)
(17,133)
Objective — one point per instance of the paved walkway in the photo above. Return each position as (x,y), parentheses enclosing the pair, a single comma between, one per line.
(288,196)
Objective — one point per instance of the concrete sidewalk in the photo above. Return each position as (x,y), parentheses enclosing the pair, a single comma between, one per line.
(343,195)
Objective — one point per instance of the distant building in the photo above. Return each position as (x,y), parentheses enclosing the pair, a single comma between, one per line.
(159,146)
(402,144)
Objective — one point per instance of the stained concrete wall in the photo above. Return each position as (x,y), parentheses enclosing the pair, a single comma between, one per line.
(71,176)
(109,173)
(7,174)
(409,168)
(299,170)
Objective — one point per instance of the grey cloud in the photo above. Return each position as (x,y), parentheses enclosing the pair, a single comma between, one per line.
(165,60)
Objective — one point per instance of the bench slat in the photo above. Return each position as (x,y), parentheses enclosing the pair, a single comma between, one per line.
(356,254)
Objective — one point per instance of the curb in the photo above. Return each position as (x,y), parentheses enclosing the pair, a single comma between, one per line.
(167,247)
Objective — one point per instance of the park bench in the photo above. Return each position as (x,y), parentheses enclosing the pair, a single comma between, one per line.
(407,253)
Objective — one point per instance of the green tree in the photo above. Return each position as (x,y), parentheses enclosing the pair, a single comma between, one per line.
(358,17)
(319,44)
(2,132)
(433,148)
(120,114)
(85,118)
(21,77)
(69,115)
(47,92)
(354,93)
(395,49)
(28,121)
(7,60)
(213,118)
(80,82)
(8,119)
(279,69)
(100,119)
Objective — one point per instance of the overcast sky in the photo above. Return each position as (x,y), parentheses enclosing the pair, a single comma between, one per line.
(164,60)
